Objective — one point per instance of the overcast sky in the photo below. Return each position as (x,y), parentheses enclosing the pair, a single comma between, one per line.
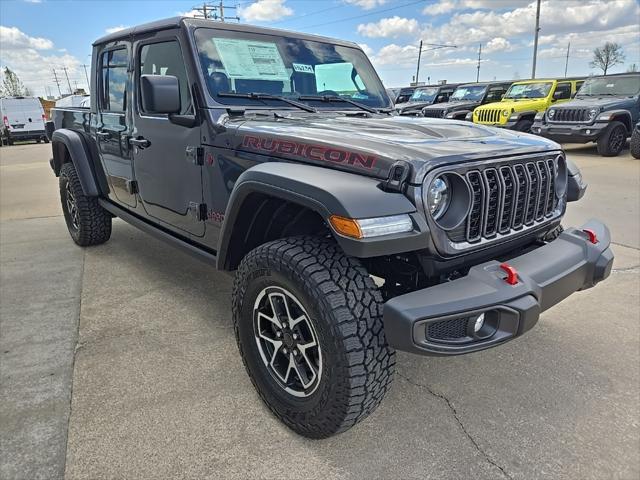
(37,36)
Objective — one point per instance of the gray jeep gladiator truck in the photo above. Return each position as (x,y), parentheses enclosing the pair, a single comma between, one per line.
(352,232)
(604,110)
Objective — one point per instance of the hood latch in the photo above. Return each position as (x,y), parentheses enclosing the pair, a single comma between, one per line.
(398,175)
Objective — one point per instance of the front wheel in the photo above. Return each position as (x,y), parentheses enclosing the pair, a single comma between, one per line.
(523,126)
(612,141)
(634,145)
(308,322)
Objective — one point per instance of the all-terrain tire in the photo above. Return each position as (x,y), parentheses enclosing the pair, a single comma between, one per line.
(612,141)
(89,224)
(345,307)
(523,125)
(634,144)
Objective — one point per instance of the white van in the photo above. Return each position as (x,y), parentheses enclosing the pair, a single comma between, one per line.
(22,119)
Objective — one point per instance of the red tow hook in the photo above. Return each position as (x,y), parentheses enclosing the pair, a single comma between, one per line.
(593,238)
(512,274)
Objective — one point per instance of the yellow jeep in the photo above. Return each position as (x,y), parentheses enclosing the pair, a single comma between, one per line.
(523,100)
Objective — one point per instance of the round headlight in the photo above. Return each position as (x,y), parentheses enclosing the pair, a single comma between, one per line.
(438,197)
(506,113)
(551,113)
(592,113)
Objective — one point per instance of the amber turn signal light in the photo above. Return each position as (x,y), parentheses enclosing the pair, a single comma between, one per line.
(345,226)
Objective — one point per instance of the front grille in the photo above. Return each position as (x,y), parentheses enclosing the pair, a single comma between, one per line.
(505,198)
(448,329)
(433,112)
(577,115)
(489,115)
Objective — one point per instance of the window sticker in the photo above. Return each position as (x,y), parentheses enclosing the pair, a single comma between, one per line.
(251,60)
(302,68)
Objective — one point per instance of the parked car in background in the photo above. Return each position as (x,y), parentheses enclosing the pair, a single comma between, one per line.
(404,95)
(604,111)
(424,96)
(22,119)
(467,98)
(524,100)
(635,142)
(393,93)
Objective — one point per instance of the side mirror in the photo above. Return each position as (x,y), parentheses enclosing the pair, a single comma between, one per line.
(160,94)
(558,95)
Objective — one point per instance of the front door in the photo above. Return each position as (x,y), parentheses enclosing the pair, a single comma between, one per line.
(169,180)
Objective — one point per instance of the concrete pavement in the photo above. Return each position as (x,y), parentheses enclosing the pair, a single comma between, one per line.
(159,390)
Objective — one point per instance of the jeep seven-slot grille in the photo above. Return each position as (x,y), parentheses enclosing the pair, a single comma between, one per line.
(505,198)
(570,115)
(433,112)
(489,115)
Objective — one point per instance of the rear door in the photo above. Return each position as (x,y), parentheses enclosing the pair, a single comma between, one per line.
(167,170)
(113,120)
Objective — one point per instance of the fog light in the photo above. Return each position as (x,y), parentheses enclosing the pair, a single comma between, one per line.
(479,323)
(588,132)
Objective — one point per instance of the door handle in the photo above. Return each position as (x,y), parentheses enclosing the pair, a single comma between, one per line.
(103,134)
(139,142)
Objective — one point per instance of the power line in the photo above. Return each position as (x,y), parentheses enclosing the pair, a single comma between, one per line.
(373,12)
(215,11)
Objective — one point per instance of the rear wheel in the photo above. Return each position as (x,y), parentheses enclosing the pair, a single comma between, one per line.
(635,143)
(308,322)
(88,223)
(612,141)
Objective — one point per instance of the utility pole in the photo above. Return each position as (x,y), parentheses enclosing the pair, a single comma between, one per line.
(435,46)
(215,11)
(55,76)
(418,67)
(86,77)
(535,41)
(566,63)
(66,74)
(479,54)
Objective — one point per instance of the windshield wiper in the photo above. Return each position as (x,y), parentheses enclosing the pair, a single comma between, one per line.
(268,96)
(333,98)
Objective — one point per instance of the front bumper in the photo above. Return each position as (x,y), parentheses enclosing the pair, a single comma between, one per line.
(439,320)
(569,133)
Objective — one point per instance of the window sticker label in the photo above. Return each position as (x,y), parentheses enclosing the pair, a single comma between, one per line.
(251,60)
(302,68)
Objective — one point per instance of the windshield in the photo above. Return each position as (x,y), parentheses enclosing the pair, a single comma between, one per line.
(245,63)
(424,95)
(529,90)
(473,92)
(610,86)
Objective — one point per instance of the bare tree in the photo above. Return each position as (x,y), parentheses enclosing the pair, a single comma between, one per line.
(607,56)
(12,86)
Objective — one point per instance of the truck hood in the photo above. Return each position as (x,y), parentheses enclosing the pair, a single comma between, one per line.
(451,106)
(370,146)
(538,104)
(603,103)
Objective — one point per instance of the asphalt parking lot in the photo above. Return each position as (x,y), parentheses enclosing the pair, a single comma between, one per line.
(119,361)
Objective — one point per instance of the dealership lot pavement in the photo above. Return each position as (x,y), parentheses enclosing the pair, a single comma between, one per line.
(119,361)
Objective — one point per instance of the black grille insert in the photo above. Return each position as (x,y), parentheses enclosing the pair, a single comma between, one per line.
(448,329)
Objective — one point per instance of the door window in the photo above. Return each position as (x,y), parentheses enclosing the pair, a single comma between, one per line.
(165,58)
(563,91)
(113,88)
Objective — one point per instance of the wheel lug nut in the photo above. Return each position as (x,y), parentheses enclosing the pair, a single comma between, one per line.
(278,334)
(284,350)
(295,352)
(295,336)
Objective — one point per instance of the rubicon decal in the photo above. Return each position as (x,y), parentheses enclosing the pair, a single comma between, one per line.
(312,152)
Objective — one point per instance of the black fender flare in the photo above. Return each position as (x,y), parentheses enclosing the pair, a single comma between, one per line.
(524,113)
(615,115)
(81,156)
(326,192)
